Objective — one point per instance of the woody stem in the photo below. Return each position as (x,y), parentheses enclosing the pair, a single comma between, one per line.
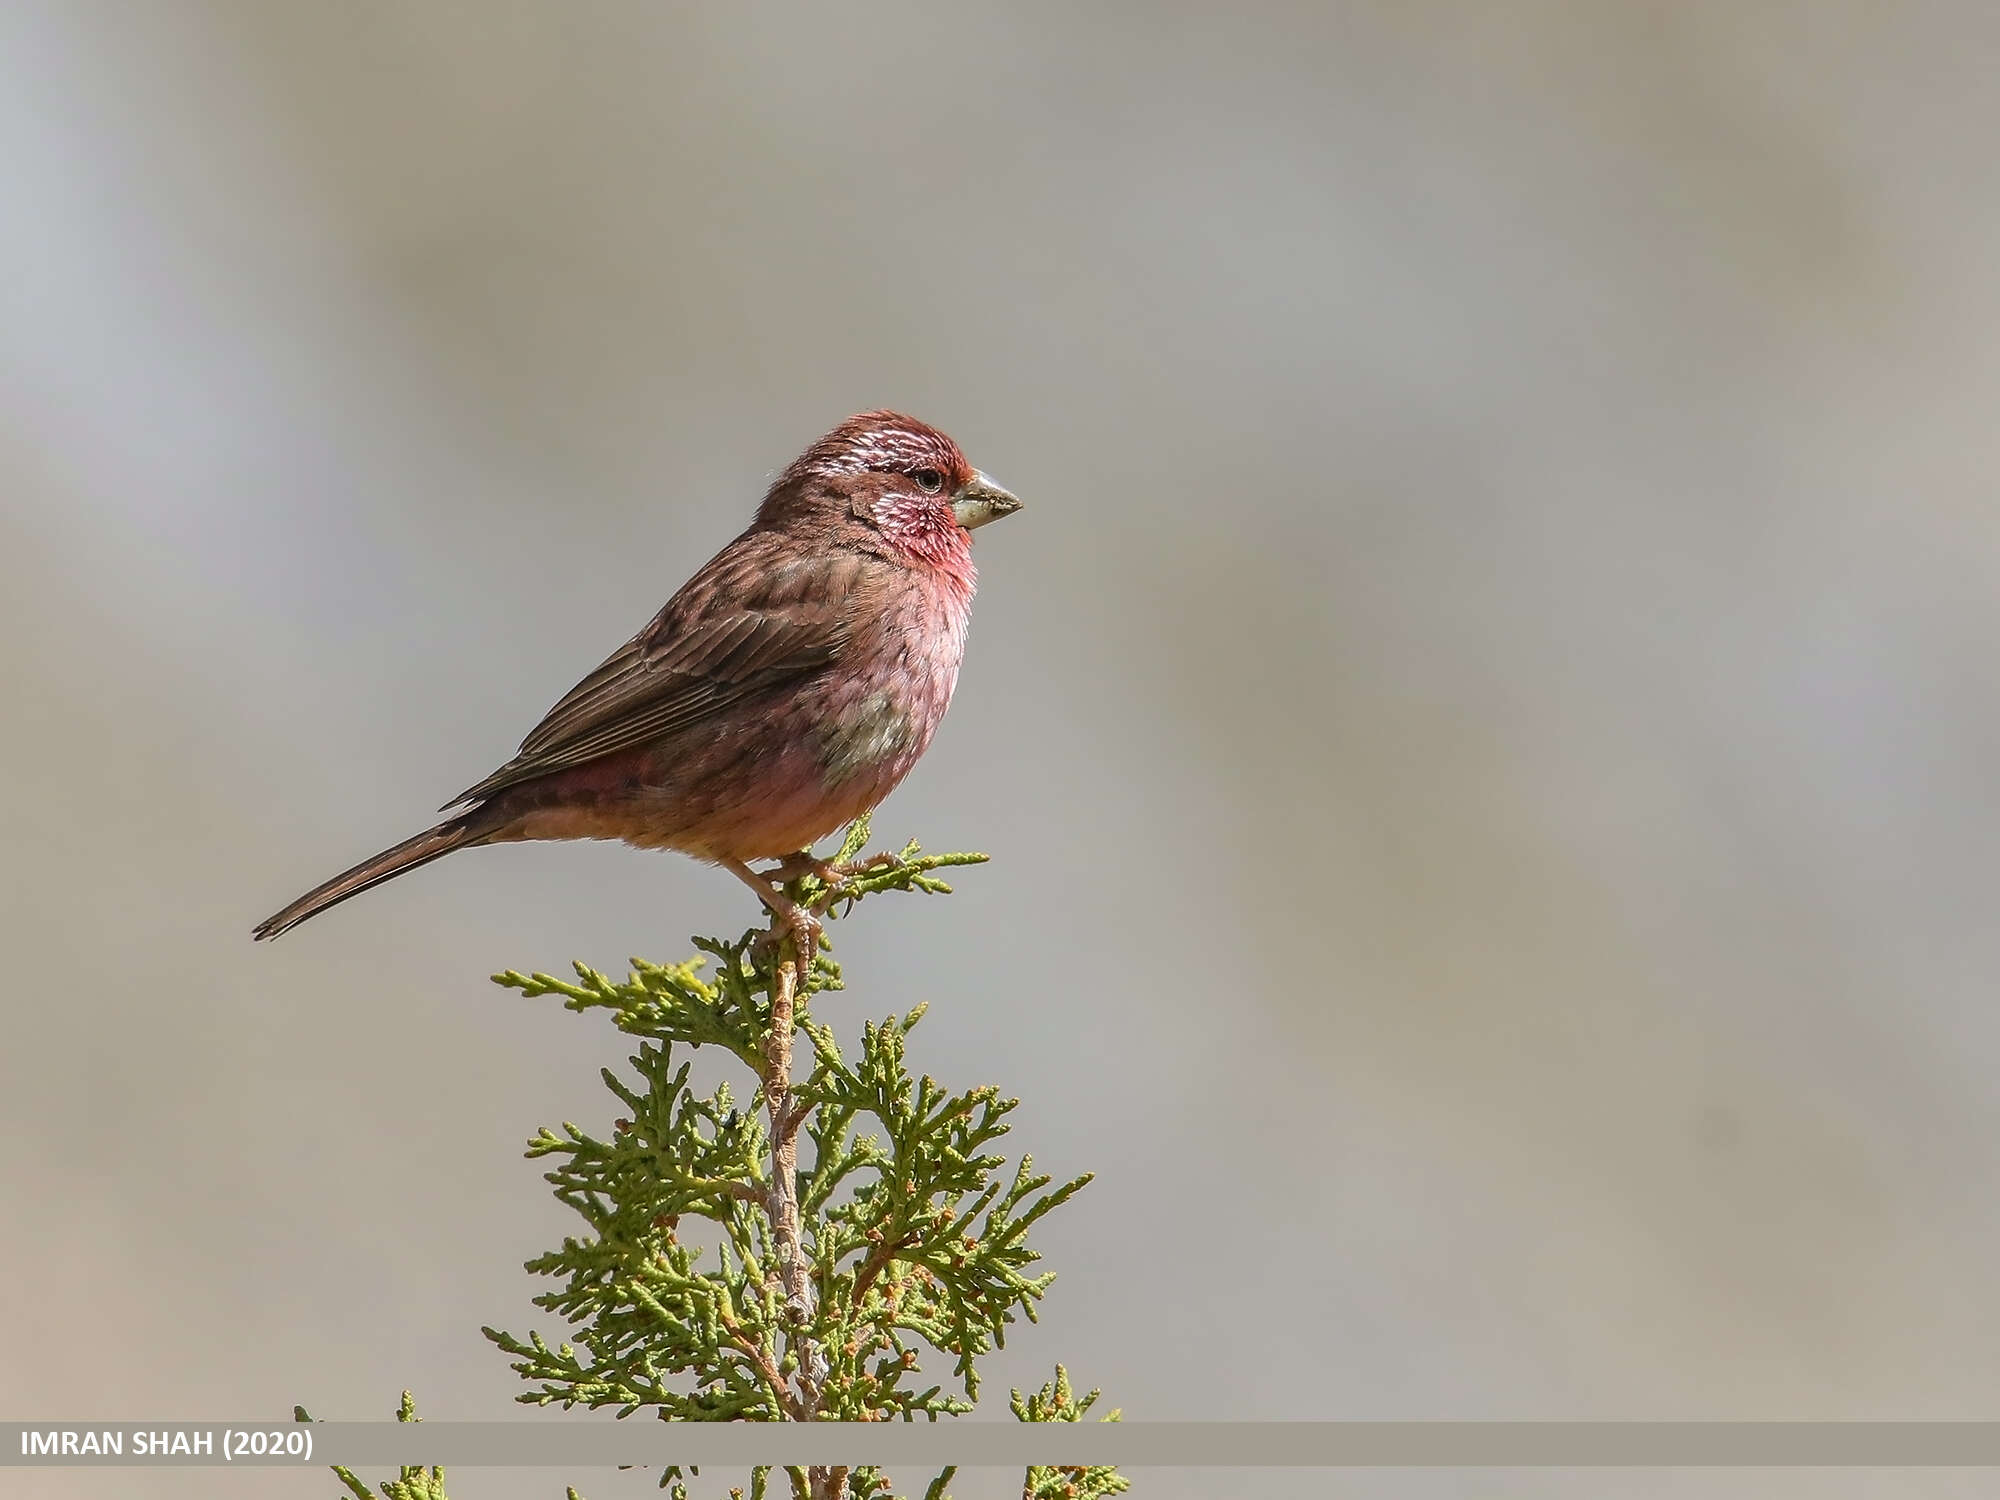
(781,1203)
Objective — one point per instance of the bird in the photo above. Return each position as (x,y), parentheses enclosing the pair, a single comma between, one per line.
(787,688)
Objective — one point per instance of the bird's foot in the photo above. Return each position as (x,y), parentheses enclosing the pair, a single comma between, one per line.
(792,918)
(805,862)
(865,866)
(831,874)
(805,930)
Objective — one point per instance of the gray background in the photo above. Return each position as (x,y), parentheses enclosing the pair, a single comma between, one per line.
(1486,729)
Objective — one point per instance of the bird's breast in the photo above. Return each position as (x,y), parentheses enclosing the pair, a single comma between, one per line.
(889,692)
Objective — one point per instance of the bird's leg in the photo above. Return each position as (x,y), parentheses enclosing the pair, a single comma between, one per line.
(802,924)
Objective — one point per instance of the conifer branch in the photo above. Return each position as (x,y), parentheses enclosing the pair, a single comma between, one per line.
(793,1257)
(781,1201)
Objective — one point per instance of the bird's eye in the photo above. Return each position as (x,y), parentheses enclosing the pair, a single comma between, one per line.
(928,480)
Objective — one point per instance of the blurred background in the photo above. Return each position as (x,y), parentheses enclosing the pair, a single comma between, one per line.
(1486,728)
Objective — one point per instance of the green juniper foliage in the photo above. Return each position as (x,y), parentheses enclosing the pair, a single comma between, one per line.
(727,1274)
(412,1482)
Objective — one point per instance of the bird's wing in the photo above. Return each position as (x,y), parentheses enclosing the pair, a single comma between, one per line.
(746,622)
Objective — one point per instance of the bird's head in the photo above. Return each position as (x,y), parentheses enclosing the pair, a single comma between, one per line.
(897,478)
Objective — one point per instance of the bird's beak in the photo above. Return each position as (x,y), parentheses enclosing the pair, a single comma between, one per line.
(981,501)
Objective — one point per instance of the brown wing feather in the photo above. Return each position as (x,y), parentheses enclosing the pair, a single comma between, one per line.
(749,620)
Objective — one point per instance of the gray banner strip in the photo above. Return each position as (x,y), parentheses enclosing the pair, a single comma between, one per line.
(598,1444)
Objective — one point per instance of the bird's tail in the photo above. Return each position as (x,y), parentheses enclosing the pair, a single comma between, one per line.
(454,833)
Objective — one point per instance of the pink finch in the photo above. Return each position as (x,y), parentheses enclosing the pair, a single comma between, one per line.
(786,689)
